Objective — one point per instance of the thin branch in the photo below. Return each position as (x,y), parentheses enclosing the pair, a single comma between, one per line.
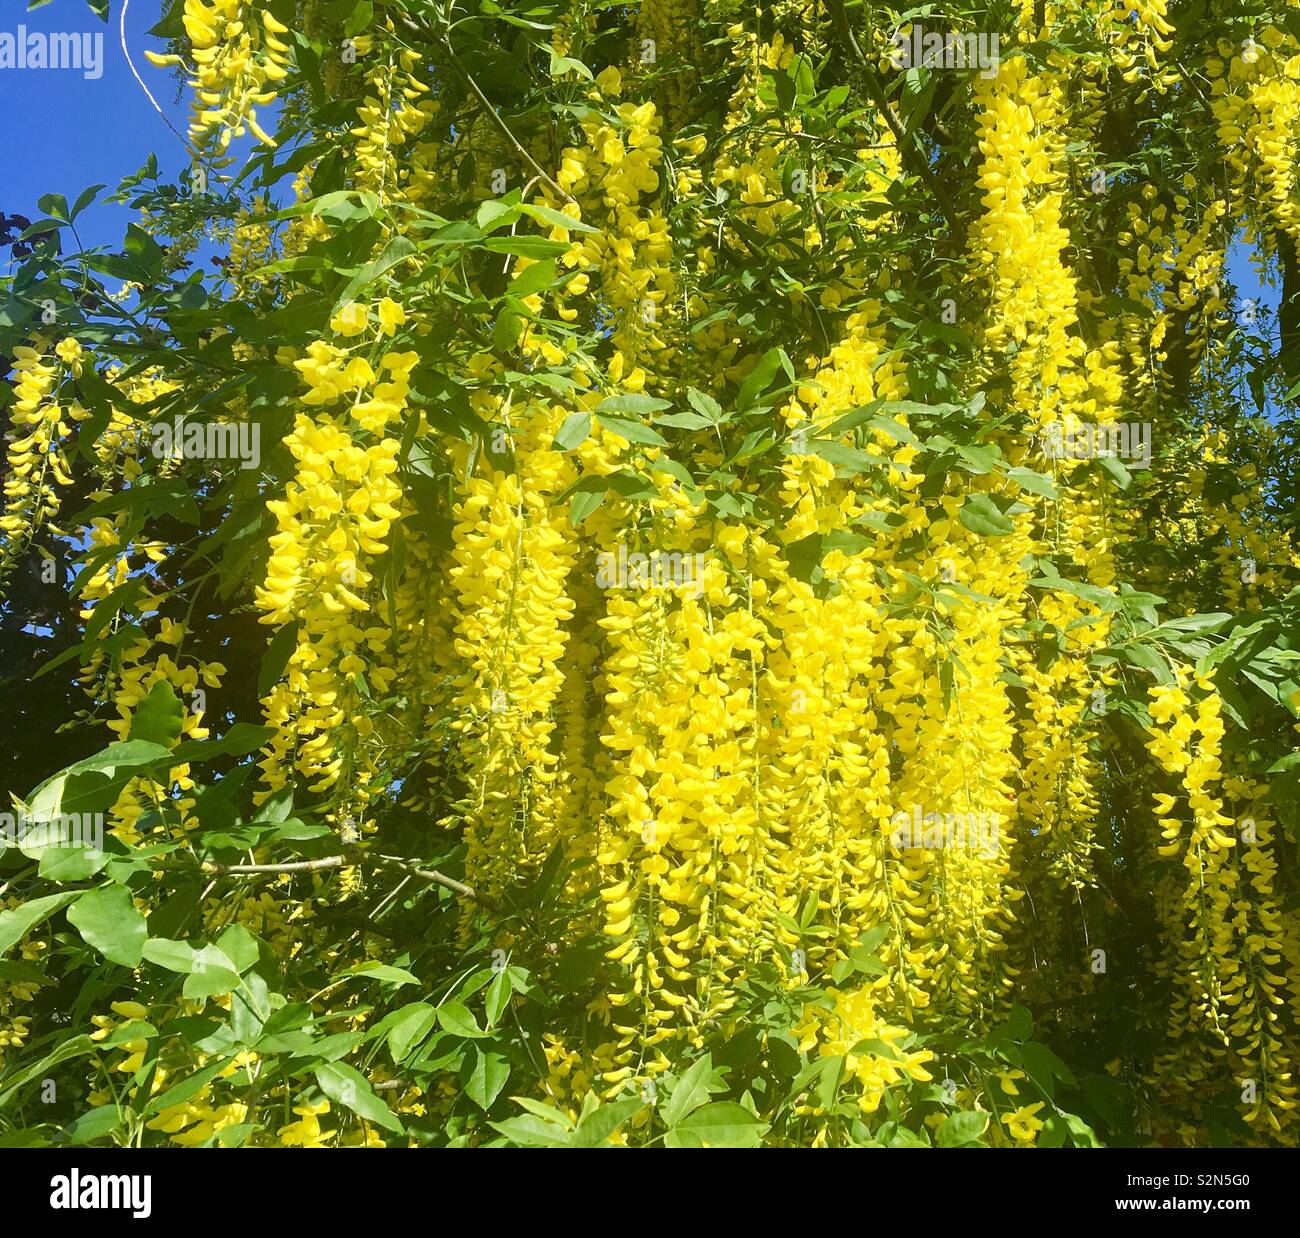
(437,878)
(295,866)
(913,151)
(431,875)
(501,125)
(121,30)
(444,40)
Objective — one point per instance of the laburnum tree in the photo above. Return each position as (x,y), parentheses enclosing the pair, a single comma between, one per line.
(690,573)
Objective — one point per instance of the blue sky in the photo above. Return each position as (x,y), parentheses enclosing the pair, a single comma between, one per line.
(67,133)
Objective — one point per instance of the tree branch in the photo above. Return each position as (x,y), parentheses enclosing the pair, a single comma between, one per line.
(912,151)
(431,875)
(444,41)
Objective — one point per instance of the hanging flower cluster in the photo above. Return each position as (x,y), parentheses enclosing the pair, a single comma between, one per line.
(36,452)
(239,57)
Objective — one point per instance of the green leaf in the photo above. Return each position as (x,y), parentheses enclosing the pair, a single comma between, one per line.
(276,658)
(632,405)
(595,1127)
(1194,623)
(977,458)
(124,1033)
(584,502)
(93,785)
(1036,483)
(87,196)
(705,405)
(721,1124)
(572,432)
(685,421)
(1149,658)
(234,1136)
(414,1023)
(77,1046)
(486,1074)
(186,1087)
(239,741)
(962,1128)
(240,947)
(538,247)
(458,1020)
(212,974)
(633,431)
(1043,1066)
(362,15)
(1111,466)
(760,377)
(878,1048)
(398,249)
(1082,1134)
(159,717)
(177,956)
(679,472)
(895,429)
(983,516)
(17,923)
(19,971)
(1089,593)
(384,973)
(496,213)
(534,279)
(848,461)
(351,1089)
(541,1127)
(865,961)
(108,921)
(1019,1024)
(95,1124)
(828,1085)
(70,863)
(497,998)
(148,254)
(55,205)
(343,206)
(557,219)
(874,938)
(691,1091)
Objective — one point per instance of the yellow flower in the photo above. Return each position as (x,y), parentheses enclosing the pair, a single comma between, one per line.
(69,351)
(130,1010)
(391,316)
(1022,1124)
(306,1132)
(350,320)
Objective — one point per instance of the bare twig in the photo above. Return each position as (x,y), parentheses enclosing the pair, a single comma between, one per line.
(294,866)
(410,867)
(121,30)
